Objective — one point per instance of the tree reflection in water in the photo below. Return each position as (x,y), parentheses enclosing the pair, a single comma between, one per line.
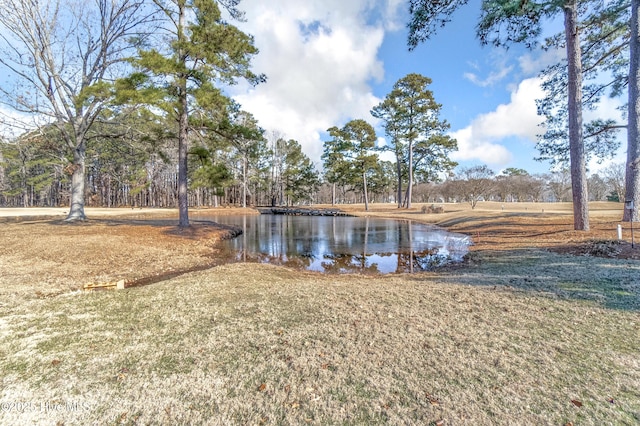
(343,244)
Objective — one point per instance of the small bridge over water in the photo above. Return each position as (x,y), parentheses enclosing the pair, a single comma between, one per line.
(298,211)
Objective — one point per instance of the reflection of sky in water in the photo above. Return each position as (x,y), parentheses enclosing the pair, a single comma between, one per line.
(343,244)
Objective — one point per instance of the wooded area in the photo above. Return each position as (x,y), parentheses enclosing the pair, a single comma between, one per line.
(135,173)
(123,105)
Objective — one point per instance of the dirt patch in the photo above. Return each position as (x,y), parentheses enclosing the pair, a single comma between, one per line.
(602,248)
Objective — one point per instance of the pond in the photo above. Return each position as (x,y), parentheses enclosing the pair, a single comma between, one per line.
(343,244)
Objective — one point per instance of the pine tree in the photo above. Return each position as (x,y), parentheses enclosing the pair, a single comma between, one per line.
(202,51)
(505,22)
(349,154)
(411,119)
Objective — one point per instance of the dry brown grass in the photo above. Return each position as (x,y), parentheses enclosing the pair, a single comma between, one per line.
(250,344)
(45,257)
(519,336)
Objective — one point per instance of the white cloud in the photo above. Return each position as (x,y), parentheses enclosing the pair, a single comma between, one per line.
(319,56)
(607,108)
(393,14)
(472,148)
(497,60)
(532,63)
(518,118)
(493,77)
(484,138)
(13,123)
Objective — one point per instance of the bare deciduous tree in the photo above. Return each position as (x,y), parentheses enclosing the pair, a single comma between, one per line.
(477,183)
(614,176)
(62,57)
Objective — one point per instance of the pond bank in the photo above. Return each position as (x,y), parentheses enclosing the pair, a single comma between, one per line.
(49,257)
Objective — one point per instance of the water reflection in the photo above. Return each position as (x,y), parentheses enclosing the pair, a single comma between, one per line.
(343,244)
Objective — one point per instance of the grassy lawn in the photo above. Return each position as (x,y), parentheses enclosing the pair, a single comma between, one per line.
(256,344)
(526,336)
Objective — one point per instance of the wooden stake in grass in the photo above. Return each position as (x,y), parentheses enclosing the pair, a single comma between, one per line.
(112,285)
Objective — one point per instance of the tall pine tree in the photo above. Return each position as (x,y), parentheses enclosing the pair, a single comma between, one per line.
(505,22)
(411,118)
(199,51)
(354,143)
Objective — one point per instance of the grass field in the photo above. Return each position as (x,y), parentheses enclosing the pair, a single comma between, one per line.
(519,334)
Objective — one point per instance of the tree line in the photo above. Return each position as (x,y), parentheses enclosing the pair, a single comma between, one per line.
(272,171)
(142,172)
(480,183)
(131,158)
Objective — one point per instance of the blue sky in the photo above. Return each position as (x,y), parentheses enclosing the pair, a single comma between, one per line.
(329,61)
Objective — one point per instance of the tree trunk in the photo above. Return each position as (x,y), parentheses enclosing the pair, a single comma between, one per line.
(183,123)
(576,143)
(244,181)
(410,183)
(366,196)
(333,194)
(76,211)
(183,201)
(399,171)
(632,188)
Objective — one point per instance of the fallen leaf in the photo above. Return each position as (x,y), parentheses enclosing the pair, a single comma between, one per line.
(433,400)
(576,403)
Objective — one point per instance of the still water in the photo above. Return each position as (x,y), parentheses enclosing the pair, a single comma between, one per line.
(343,244)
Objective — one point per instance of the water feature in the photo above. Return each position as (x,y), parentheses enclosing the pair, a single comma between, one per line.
(343,244)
